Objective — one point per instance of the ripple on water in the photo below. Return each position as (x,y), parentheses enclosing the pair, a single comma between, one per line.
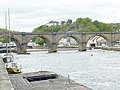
(99,71)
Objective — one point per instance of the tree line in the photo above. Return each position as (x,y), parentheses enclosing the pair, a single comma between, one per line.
(80,25)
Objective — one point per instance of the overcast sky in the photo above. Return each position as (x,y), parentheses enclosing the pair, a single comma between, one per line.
(29,14)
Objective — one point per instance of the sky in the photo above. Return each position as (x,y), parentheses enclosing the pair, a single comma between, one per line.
(26,15)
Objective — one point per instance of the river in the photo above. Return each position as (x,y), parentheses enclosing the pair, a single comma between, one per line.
(97,69)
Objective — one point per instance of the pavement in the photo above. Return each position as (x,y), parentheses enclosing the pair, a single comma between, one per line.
(5,83)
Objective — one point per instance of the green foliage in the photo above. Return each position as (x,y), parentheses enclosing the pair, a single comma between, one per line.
(3,40)
(2,30)
(86,21)
(102,26)
(39,41)
(79,20)
(80,25)
(116,27)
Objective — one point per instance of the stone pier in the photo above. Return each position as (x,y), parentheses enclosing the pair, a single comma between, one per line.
(5,83)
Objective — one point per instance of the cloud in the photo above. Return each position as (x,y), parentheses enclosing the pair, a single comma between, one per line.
(29,14)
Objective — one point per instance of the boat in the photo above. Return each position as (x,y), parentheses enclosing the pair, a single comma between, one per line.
(8,57)
(10,65)
(13,68)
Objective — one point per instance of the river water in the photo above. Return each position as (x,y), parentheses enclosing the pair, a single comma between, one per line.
(97,69)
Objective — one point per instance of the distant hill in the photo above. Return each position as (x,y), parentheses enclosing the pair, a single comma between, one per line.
(2,30)
(80,25)
(114,23)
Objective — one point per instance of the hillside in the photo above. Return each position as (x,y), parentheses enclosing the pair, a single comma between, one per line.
(80,25)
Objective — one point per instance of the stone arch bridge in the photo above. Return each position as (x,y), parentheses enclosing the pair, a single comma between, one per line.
(23,38)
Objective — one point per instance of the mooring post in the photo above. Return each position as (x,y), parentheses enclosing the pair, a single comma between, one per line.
(68,78)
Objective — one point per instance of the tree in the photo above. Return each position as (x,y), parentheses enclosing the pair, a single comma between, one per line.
(62,22)
(103,27)
(3,40)
(81,24)
(69,21)
(39,41)
(86,21)
(79,20)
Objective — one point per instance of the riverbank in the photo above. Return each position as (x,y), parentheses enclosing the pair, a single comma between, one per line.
(58,49)
(5,83)
(111,48)
(73,48)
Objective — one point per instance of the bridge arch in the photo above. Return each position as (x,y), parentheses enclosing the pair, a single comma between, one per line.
(74,37)
(92,36)
(46,38)
(93,39)
(17,44)
(77,38)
